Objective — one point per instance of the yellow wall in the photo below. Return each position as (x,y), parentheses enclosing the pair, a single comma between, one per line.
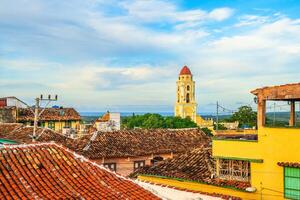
(199,187)
(60,125)
(183,108)
(274,145)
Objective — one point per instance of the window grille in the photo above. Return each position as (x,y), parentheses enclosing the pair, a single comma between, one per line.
(291,183)
(234,170)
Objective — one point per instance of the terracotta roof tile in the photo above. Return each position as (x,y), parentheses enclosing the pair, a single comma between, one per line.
(196,165)
(53,114)
(49,171)
(127,143)
(124,143)
(289,164)
(22,134)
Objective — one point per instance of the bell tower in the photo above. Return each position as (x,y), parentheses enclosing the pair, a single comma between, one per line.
(186,105)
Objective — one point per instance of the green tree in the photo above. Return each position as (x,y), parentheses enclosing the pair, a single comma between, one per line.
(220,127)
(150,121)
(207,131)
(245,116)
(153,121)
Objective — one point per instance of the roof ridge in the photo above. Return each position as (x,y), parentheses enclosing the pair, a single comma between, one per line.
(76,155)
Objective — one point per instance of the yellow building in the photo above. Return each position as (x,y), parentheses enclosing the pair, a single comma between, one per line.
(271,163)
(265,165)
(57,119)
(186,106)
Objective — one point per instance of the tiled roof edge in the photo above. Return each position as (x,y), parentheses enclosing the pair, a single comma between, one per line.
(76,155)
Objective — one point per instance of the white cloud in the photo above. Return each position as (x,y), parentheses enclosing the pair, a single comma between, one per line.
(220,14)
(167,12)
(93,57)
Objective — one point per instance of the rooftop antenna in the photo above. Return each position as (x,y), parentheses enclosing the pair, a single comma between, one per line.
(36,111)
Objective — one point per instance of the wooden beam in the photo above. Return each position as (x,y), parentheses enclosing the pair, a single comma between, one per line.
(292,114)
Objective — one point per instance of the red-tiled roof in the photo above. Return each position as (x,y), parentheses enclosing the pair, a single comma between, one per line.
(280,92)
(196,165)
(50,114)
(289,164)
(138,142)
(48,171)
(123,143)
(275,87)
(185,71)
(104,118)
(23,134)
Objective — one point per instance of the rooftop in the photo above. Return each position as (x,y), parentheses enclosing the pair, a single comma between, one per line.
(23,134)
(123,143)
(196,165)
(54,114)
(49,171)
(185,71)
(280,92)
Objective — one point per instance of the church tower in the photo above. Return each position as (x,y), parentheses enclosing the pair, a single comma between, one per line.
(186,105)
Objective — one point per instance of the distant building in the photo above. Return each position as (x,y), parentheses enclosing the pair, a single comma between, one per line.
(230,125)
(50,171)
(11,102)
(108,122)
(186,106)
(14,110)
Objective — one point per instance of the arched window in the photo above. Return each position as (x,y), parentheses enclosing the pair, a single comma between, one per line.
(188,97)
(188,88)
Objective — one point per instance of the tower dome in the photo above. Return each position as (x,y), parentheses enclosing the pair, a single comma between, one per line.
(185,71)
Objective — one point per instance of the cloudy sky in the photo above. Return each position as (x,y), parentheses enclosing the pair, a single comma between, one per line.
(125,55)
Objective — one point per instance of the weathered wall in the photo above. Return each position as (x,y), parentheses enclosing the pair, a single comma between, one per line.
(7,115)
(125,166)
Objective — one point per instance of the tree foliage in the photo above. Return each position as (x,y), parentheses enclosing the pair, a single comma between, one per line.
(152,121)
(245,116)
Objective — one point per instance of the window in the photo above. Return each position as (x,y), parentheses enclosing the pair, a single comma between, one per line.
(138,164)
(188,88)
(111,166)
(41,124)
(188,98)
(291,183)
(51,125)
(234,170)
(68,124)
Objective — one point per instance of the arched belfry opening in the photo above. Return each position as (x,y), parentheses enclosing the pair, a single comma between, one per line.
(188,97)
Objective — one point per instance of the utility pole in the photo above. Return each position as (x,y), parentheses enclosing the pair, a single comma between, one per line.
(274,115)
(217,125)
(37,114)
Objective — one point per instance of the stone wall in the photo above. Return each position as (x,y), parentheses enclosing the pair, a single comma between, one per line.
(8,115)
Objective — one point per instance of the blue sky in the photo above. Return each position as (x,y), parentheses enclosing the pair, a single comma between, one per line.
(100,55)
